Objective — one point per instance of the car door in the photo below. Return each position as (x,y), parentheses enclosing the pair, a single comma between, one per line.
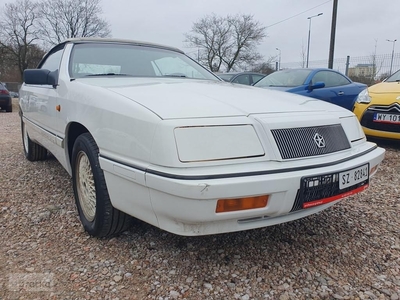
(338,89)
(41,99)
(40,102)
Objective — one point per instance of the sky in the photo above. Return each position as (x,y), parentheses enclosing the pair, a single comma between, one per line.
(362,26)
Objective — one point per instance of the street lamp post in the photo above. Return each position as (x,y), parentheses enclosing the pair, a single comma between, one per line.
(279,59)
(391,62)
(309,35)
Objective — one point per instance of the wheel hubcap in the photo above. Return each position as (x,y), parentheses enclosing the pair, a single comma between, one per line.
(85,186)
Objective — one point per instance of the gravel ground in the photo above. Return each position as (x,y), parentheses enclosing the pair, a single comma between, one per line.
(350,251)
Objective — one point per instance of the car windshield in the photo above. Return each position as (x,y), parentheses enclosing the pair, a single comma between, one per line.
(285,78)
(104,59)
(395,77)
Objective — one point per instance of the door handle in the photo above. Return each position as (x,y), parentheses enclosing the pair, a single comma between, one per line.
(341,93)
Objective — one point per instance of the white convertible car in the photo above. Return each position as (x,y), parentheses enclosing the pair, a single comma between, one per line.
(145,131)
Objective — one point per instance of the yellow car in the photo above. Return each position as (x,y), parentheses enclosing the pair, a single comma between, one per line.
(378,108)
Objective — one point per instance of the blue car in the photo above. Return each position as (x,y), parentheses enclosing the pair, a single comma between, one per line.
(324,84)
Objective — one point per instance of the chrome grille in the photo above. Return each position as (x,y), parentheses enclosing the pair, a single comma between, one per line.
(394,108)
(301,142)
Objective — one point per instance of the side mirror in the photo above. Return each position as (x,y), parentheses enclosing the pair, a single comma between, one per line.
(317,85)
(41,77)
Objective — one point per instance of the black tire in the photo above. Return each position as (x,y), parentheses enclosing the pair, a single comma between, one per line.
(32,150)
(99,218)
(9,108)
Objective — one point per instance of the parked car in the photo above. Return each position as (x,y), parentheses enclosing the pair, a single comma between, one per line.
(5,98)
(378,108)
(321,83)
(14,94)
(247,78)
(145,131)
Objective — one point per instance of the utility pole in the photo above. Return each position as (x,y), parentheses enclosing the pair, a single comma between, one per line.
(391,62)
(279,59)
(333,32)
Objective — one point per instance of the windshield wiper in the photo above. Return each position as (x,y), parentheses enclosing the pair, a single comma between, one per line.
(106,74)
(175,75)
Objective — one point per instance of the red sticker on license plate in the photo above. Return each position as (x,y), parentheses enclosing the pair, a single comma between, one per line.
(334,198)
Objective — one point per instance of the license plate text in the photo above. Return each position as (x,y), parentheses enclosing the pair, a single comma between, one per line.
(353,176)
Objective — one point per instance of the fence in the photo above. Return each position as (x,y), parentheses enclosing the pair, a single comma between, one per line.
(373,65)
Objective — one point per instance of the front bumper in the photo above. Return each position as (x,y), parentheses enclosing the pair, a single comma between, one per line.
(185,203)
(381,134)
(365,115)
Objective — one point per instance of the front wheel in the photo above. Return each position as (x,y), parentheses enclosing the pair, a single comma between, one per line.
(98,216)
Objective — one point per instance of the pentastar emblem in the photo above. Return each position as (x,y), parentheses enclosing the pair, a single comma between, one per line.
(319,140)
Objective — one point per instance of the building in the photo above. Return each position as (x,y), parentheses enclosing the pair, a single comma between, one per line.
(363,70)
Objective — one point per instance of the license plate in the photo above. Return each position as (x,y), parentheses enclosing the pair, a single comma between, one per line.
(325,188)
(386,118)
(353,176)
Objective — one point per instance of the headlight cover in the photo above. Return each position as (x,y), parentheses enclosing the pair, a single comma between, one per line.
(353,129)
(364,97)
(206,143)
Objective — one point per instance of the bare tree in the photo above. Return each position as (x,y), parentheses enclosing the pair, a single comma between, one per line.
(209,35)
(247,34)
(19,35)
(63,19)
(376,66)
(7,66)
(382,77)
(368,73)
(265,67)
(229,41)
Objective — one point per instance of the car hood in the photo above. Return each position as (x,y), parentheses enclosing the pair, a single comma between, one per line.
(172,98)
(385,88)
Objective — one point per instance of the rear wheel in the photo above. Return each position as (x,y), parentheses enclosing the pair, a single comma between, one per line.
(98,216)
(9,108)
(32,150)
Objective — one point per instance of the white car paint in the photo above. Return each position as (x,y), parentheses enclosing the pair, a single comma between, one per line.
(166,151)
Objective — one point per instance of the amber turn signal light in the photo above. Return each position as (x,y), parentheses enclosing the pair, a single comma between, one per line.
(225,205)
(373,170)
